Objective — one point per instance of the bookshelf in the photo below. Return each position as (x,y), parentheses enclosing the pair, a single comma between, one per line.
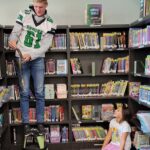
(86,56)
(87,77)
(138,56)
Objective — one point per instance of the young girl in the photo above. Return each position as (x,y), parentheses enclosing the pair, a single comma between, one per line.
(119,132)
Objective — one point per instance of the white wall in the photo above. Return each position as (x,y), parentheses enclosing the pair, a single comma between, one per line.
(71,12)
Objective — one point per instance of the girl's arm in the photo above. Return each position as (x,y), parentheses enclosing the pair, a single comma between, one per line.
(107,138)
(123,140)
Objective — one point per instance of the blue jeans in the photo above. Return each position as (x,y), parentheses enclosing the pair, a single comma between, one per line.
(35,69)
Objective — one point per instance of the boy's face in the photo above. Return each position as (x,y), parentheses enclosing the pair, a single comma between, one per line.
(39,8)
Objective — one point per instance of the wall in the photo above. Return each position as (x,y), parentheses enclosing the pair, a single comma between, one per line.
(71,12)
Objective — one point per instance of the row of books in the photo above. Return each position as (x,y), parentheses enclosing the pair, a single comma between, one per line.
(111,88)
(144,94)
(88,133)
(53,134)
(57,134)
(114,88)
(102,112)
(51,91)
(144,8)
(52,113)
(114,40)
(84,40)
(53,66)
(139,37)
(59,93)
(91,40)
(85,90)
(119,65)
(59,42)
(147,65)
(60,67)
(141,141)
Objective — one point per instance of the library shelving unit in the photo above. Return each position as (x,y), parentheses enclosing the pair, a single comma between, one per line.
(87,57)
(137,66)
(15,140)
(3,104)
(138,55)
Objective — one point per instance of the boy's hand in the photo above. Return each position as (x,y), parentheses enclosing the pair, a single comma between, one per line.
(26,58)
(12,44)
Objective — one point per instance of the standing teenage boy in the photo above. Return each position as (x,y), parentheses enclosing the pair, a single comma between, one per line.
(32,35)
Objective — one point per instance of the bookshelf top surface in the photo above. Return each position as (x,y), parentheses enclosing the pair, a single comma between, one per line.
(141,22)
(109,26)
(58,26)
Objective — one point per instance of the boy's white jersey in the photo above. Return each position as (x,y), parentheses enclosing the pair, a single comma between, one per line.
(33,32)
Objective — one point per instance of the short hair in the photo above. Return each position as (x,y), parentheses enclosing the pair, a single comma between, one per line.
(40,1)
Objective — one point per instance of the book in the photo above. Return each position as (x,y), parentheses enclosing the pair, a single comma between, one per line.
(55,134)
(61,91)
(64,134)
(93,14)
(62,67)
(134,89)
(49,91)
(75,113)
(87,112)
(107,112)
(50,66)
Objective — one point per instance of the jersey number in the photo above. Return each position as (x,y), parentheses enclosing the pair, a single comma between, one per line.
(30,37)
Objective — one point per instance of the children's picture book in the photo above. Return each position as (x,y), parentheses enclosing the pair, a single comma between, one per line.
(93,14)
(134,89)
(62,67)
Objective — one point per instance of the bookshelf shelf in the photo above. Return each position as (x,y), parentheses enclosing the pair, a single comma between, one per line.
(139,102)
(99,75)
(86,58)
(57,51)
(140,75)
(89,122)
(46,101)
(141,22)
(56,76)
(99,51)
(110,26)
(45,123)
(99,98)
(145,47)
